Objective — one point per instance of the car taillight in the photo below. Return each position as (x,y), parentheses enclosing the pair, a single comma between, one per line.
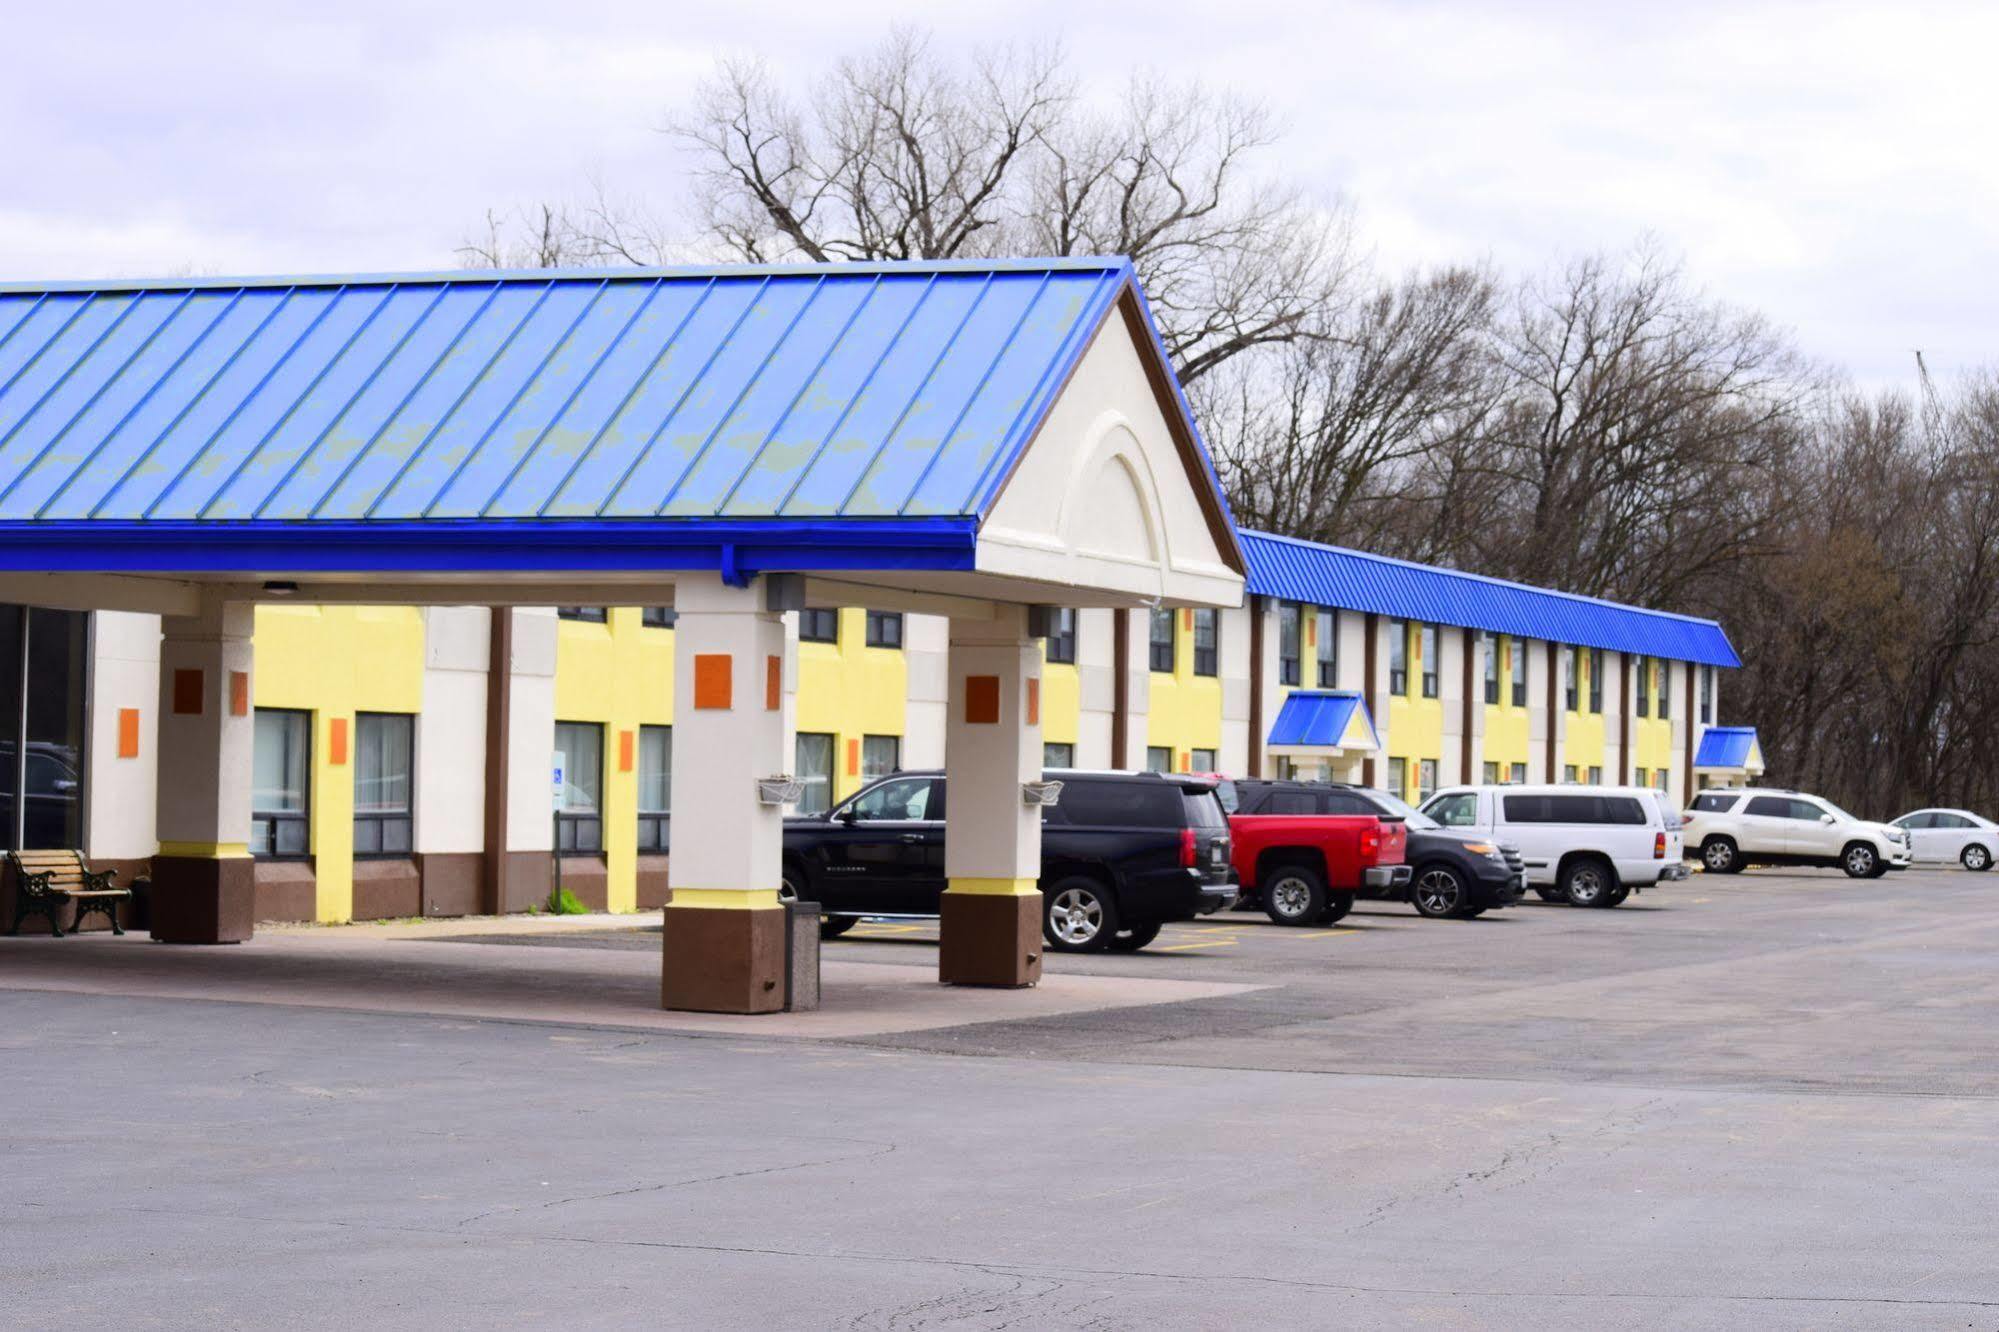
(1370,844)
(1658,846)
(1186,848)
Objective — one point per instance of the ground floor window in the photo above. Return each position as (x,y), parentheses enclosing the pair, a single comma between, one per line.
(1158,758)
(1568,772)
(48,755)
(1426,779)
(655,785)
(1058,754)
(880,755)
(1519,773)
(1595,775)
(1398,775)
(384,777)
(280,782)
(1659,776)
(579,755)
(1204,761)
(1492,774)
(815,772)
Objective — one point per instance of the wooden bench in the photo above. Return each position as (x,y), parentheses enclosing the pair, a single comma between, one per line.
(46,880)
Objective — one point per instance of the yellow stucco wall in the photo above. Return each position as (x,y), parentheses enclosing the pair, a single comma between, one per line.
(851,690)
(1508,735)
(1583,744)
(335,661)
(1061,700)
(1652,737)
(1415,723)
(1185,712)
(618,674)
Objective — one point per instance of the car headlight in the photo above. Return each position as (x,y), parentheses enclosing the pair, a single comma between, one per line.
(1484,849)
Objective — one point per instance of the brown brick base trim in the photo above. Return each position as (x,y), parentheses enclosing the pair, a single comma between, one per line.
(652,887)
(451,882)
(387,889)
(286,890)
(197,900)
(987,939)
(722,959)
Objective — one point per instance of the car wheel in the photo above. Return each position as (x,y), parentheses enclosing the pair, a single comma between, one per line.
(1719,856)
(1438,892)
(1550,894)
(1588,881)
(1337,906)
(1618,896)
(1133,939)
(1078,916)
(1976,858)
(1860,861)
(832,927)
(1294,895)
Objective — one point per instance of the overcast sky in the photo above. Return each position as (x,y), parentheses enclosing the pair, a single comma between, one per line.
(1831,165)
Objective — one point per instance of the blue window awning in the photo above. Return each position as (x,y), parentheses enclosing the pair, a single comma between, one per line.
(1731,747)
(1322,723)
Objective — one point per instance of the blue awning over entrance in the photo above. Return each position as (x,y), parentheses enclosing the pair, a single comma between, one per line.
(1322,722)
(1729,747)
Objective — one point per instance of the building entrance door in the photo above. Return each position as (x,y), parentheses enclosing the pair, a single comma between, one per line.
(43,668)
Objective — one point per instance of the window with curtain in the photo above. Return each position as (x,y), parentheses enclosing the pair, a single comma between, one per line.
(1158,758)
(1062,637)
(1569,681)
(655,787)
(1165,624)
(1398,659)
(885,629)
(1207,632)
(880,755)
(1287,643)
(384,778)
(280,782)
(1596,680)
(1058,754)
(1490,646)
(1204,760)
(579,822)
(1664,688)
(1398,777)
(814,752)
(1707,695)
(1520,673)
(1426,647)
(819,626)
(1644,704)
(1327,628)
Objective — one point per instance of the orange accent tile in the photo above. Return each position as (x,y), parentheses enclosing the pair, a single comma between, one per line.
(1033,700)
(1186,761)
(1187,618)
(627,742)
(714,682)
(336,742)
(239,693)
(187,693)
(853,758)
(773,683)
(1311,629)
(128,733)
(982,700)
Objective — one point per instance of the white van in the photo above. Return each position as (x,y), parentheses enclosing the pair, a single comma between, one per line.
(1587,845)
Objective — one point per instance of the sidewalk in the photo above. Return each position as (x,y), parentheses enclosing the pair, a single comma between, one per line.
(411,967)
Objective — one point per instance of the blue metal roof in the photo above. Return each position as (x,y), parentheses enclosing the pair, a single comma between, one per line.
(1352,580)
(1316,719)
(1725,747)
(226,414)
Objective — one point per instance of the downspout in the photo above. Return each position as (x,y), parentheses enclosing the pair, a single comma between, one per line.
(1624,718)
(1372,631)
(1554,715)
(1464,740)
(1255,685)
(1692,723)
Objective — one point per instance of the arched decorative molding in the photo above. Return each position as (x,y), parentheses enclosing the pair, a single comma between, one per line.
(1112,461)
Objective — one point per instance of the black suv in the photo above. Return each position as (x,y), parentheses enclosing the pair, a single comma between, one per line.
(1450,873)
(1122,853)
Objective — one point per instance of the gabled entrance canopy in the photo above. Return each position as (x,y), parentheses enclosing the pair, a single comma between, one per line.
(1005,432)
(1729,751)
(1330,725)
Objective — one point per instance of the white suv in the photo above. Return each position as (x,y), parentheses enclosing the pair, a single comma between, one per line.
(1740,827)
(1589,845)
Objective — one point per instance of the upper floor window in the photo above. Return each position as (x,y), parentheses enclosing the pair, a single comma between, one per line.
(1326,625)
(1596,679)
(885,629)
(819,626)
(1644,689)
(1664,688)
(280,782)
(589,614)
(1062,636)
(1207,632)
(1426,652)
(1287,643)
(1707,694)
(659,617)
(1162,642)
(1518,668)
(384,762)
(1571,663)
(1398,662)
(1490,647)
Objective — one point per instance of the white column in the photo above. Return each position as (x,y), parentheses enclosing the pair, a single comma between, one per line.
(724,928)
(204,884)
(990,931)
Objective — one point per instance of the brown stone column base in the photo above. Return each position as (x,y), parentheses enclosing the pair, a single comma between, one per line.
(989,939)
(722,959)
(198,900)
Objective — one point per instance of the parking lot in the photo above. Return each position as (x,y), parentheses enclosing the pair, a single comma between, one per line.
(1769,1098)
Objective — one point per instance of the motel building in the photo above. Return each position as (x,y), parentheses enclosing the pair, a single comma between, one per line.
(353,598)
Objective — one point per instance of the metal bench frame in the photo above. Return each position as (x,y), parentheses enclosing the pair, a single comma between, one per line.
(36,891)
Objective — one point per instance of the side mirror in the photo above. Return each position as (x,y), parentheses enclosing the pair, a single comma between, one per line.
(1826,818)
(845,814)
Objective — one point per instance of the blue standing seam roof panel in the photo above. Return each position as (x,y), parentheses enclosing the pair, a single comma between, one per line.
(811,391)
(1308,572)
(1725,747)
(1314,718)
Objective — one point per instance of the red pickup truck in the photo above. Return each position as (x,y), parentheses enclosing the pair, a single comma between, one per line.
(1304,869)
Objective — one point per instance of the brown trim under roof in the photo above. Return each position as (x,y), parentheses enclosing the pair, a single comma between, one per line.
(1120,685)
(1255,685)
(1693,726)
(1370,631)
(499,708)
(1624,718)
(1464,740)
(1554,713)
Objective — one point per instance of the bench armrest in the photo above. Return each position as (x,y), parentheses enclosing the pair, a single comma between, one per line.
(98,881)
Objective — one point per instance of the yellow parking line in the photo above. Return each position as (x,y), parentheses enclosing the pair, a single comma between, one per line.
(1206,943)
(1327,934)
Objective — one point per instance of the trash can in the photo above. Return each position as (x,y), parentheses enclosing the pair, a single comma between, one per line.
(801,956)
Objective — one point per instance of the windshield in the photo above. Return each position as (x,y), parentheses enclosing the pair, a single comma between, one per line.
(1399,808)
(1837,812)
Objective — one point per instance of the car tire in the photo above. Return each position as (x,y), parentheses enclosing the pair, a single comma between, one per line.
(1337,906)
(1294,895)
(1588,881)
(832,927)
(1976,858)
(1133,939)
(1618,897)
(1861,861)
(1439,892)
(1719,855)
(1550,894)
(1078,916)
